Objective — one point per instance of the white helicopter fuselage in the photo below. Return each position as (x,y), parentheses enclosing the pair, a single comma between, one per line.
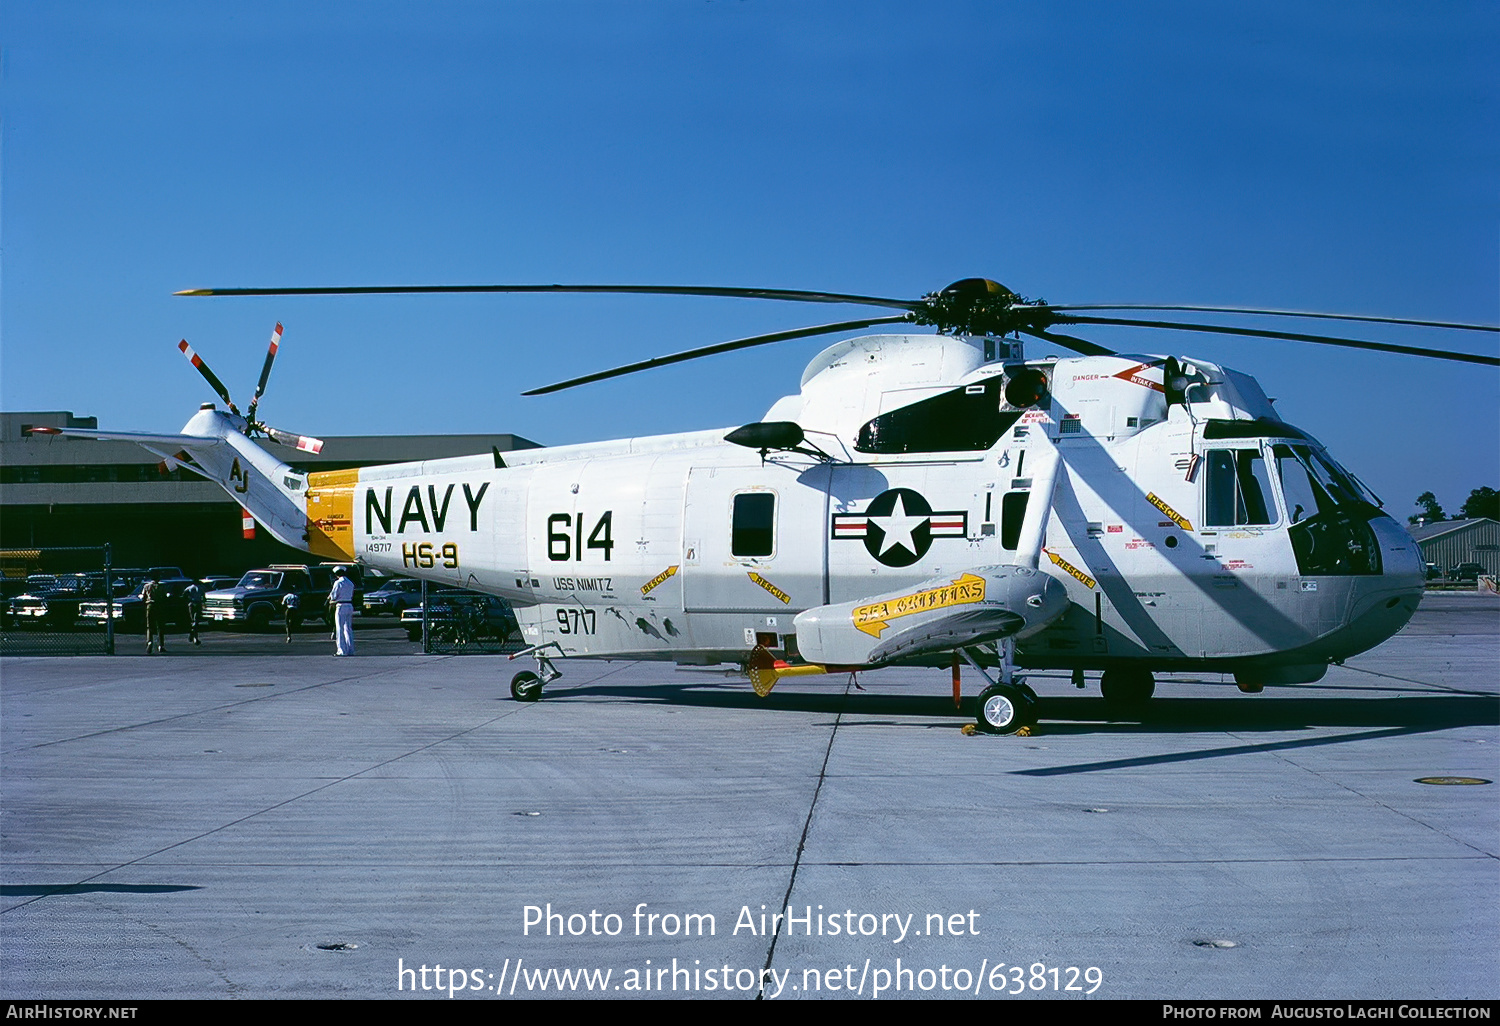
(1187,526)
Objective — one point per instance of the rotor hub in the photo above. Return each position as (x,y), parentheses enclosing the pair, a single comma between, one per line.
(979,306)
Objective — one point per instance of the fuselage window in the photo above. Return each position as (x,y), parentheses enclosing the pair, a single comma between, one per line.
(754,531)
(1012,513)
(1237,490)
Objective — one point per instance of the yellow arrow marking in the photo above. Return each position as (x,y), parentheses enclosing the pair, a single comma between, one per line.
(873,618)
(758,579)
(1170,513)
(1084,578)
(658,579)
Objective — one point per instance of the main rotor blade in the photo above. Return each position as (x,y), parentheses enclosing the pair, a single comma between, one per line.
(790,295)
(1274,313)
(1078,345)
(210,376)
(1351,343)
(265,372)
(722,347)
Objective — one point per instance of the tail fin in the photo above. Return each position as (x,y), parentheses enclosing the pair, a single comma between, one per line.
(313,512)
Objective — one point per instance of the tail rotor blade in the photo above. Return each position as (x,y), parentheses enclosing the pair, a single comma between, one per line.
(265,372)
(302,442)
(208,375)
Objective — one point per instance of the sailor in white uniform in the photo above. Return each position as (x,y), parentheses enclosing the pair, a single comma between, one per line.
(341,601)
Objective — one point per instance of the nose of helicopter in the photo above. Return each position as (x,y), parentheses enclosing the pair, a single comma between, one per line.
(1381,606)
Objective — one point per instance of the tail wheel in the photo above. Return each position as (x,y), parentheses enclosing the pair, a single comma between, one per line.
(1005,709)
(526,687)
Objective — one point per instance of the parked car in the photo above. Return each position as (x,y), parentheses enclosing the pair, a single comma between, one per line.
(1465,572)
(463,616)
(130,610)
(255,600)
(12,588)
(55,602)
(394,597)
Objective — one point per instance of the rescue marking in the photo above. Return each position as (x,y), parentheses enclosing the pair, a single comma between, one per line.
(1176,517)
(777,592)
(874,618)
(1070,569)
(660,578)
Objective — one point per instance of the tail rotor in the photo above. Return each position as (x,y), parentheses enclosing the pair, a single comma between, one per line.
(253,427)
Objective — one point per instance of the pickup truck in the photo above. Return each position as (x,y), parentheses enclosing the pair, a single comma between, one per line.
(256,600)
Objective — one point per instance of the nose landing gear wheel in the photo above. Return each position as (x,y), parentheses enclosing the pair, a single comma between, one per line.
(526,687)
(1005,709)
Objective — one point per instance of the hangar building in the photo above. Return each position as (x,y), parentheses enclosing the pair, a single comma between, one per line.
(1451,542)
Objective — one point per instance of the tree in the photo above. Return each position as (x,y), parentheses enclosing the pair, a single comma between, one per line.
(1429,510)
(1482,502)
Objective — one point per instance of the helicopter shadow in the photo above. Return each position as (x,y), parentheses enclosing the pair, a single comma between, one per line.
(51,890)
(1070,715)
(1076,716)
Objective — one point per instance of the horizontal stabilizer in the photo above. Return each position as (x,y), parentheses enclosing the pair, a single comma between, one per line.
(177,441)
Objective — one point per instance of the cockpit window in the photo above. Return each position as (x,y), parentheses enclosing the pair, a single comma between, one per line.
(1238,489)
(1330,514)
(963,419)
(1311,483)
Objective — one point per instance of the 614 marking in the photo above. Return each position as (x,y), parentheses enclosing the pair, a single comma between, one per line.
(563,545)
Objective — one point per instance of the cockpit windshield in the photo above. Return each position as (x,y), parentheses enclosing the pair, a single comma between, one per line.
(1312,483)
(1329,511)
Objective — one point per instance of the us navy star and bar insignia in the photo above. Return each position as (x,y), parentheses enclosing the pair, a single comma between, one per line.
(875,617)
(899,525)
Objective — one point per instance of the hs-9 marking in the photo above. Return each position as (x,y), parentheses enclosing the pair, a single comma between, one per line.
(424,556)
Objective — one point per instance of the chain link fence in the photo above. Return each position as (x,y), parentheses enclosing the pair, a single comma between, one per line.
(71,601)
(467,623)
(60,601)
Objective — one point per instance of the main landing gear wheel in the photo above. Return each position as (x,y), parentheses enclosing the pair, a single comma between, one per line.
(526,687)
(1006,708)
(1127,691)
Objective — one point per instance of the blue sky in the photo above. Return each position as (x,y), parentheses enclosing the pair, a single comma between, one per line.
(1308,156)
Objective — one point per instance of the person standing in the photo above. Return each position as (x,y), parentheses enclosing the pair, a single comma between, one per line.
(194,598)
(341,601)
(154,599)
(291,606)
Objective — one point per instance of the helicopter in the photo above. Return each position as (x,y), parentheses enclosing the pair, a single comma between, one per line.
(925,499)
